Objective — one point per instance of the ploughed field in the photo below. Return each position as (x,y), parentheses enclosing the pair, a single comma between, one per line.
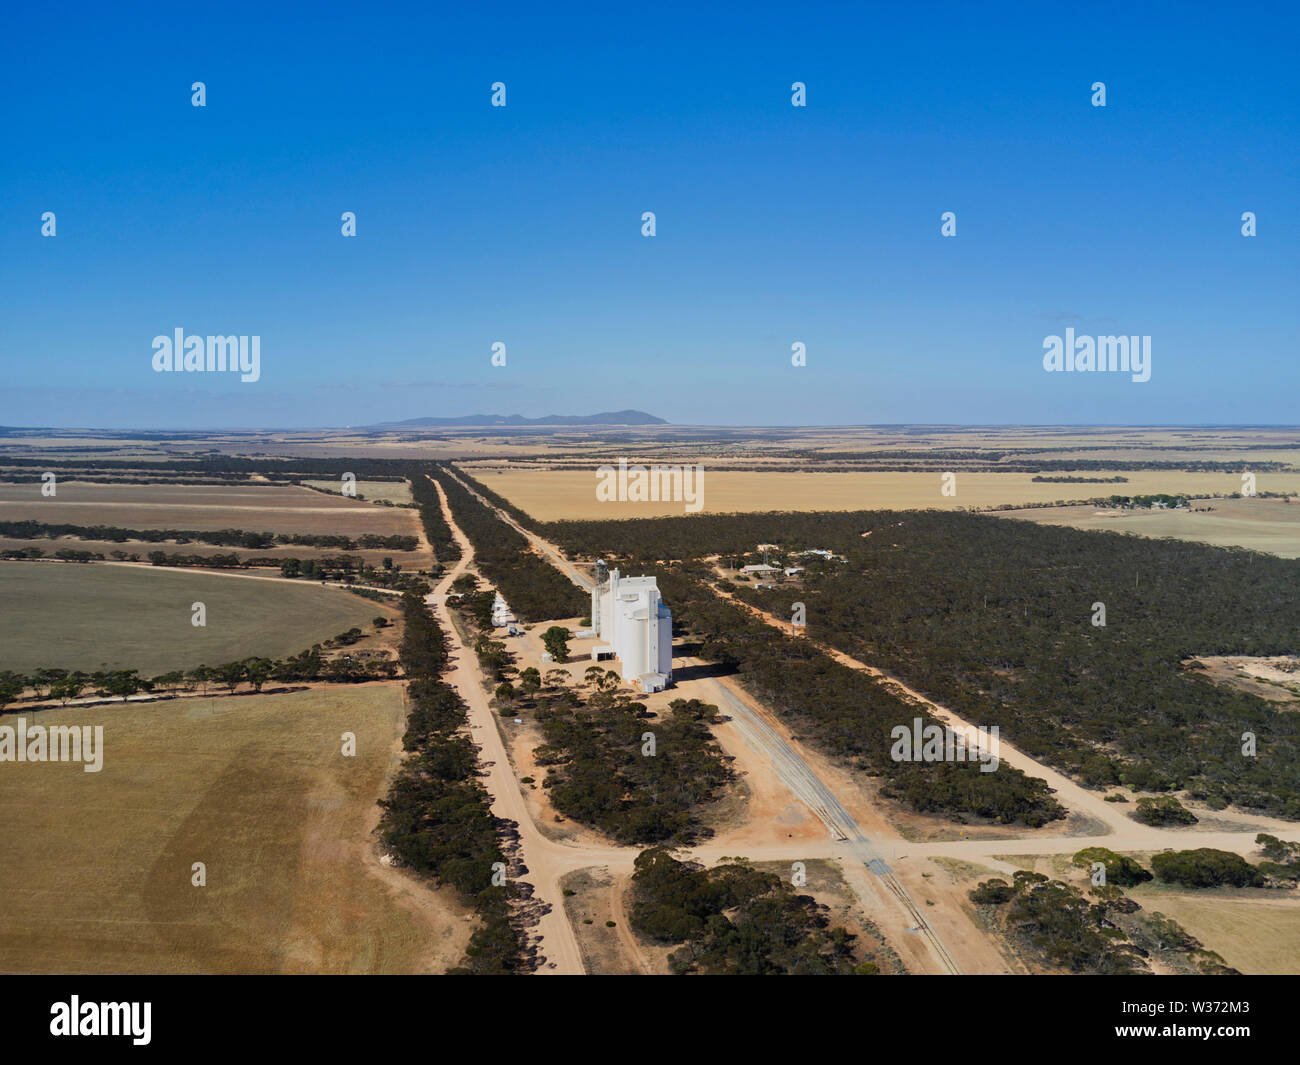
(71,616)
(270,508)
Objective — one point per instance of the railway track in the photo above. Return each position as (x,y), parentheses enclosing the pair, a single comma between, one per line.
(789,767)
(810,789)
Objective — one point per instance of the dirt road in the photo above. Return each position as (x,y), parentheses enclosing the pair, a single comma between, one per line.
(845,842)
(558,945)
(792,770)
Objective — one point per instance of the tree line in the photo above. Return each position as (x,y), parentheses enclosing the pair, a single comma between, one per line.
(249,540)
(311,664)
(436,530)
(534,588)
(437,817)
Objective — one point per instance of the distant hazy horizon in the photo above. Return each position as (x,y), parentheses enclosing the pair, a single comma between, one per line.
(668,424)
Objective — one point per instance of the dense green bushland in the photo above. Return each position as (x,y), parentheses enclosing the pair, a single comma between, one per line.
(844,712)
(994,618)
(735,920)
(603,771)
(1059,923)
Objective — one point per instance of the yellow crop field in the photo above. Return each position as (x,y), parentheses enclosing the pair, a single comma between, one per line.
(1270,525)
(557,495)
(391,491)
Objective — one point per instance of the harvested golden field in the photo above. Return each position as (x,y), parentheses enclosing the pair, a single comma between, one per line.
(96,868)
(279,509)
(556,495)
(1270,525)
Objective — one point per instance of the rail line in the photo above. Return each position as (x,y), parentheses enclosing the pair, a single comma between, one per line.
(790,768)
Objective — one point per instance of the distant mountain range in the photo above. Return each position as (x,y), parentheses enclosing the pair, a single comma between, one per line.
(614,417)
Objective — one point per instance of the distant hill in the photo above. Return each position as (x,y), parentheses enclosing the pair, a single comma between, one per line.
(615,417)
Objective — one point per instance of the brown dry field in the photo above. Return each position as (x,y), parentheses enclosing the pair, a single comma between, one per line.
(559,495)
(1270,525)
(95,868)
(280,509)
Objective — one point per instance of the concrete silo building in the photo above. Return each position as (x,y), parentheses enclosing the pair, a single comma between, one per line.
(628,616)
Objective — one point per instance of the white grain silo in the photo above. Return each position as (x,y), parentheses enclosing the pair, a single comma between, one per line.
(628,615)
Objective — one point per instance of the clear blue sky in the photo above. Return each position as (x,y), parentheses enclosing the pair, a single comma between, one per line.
(775,224)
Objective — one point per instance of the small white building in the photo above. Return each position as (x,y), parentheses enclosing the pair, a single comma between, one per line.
(501,614)
(629,617)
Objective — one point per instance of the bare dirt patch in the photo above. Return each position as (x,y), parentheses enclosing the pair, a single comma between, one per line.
(1276,679)
(592,899)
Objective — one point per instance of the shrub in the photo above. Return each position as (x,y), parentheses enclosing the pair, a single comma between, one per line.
(1121,870)
(1163,811)
(993,892)
(1206,867)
